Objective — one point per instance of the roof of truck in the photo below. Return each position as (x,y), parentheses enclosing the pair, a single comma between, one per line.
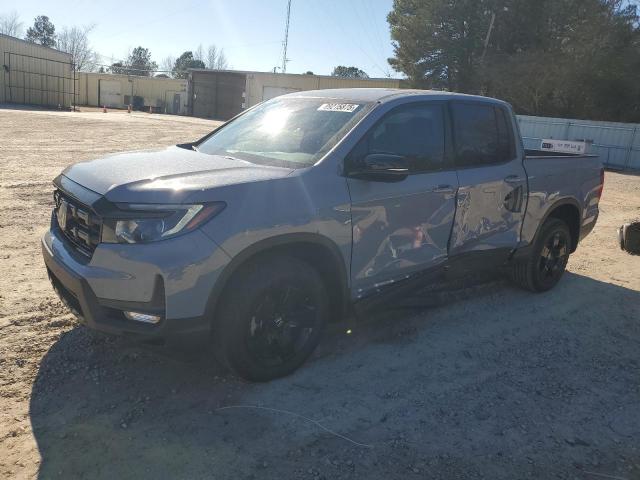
(383,94)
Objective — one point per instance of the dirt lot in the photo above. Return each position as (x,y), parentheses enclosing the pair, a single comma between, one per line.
(489,382)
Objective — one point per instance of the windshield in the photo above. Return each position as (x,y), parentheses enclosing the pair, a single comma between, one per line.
(293,132)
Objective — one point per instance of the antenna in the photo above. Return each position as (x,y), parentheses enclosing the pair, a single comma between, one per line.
(286,39)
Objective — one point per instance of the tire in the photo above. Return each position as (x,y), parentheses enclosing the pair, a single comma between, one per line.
(629,236)
(621,235)
(548,260)
(272,318)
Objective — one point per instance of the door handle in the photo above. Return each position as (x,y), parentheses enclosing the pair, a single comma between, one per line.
(443,189)
(514,179)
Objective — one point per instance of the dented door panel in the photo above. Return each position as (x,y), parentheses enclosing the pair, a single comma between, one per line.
(399,228)
(489,210)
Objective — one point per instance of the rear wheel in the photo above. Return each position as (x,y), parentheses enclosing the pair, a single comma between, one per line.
(548,260)
(272,318)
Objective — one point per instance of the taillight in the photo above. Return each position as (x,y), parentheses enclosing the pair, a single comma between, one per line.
(601,183)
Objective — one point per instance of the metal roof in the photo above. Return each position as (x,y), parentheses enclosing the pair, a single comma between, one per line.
(254,72)
(34,44)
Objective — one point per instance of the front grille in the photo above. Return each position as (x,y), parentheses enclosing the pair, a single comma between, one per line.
(79,224)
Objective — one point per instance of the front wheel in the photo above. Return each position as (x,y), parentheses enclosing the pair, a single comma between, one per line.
(272,318)
(548,260)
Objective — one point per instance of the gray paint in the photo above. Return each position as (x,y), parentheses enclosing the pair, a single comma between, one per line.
(383,231)
(557,180)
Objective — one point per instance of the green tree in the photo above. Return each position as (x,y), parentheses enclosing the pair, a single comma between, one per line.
(348,72)
(583,62)
(436,42)
(572,58)
(118,68)
(184,62)
(42,32)
(139,62)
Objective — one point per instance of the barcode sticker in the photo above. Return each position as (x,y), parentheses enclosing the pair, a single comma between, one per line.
(338,107)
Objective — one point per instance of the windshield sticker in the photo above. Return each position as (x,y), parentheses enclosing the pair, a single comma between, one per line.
(338,107)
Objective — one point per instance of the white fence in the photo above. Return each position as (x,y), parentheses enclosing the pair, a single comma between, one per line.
(618,144)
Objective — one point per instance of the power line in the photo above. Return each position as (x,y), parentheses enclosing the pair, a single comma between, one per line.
(364,32)
(369,9)
(356,43)
(130,69)
(369,37)
(136,26)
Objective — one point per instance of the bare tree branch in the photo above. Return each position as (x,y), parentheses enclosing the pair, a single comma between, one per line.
(198,54)
(216,59)
(221,63)
(167,64)
(75,40)
(10,24)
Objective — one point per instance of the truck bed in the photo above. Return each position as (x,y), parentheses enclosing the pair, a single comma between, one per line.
(555,177)
(532,153)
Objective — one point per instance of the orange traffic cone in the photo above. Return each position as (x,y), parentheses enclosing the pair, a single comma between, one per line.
(104,109)
(129,109)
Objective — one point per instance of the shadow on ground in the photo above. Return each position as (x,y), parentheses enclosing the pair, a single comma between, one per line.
(501,384)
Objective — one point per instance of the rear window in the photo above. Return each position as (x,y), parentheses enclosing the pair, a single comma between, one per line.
(482,135)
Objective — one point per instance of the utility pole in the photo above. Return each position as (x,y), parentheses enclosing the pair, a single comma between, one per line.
(286,39)
(486,40)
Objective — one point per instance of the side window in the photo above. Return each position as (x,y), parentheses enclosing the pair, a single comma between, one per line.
(415,132)
(477,135)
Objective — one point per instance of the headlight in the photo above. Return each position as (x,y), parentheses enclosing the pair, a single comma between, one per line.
(145,223)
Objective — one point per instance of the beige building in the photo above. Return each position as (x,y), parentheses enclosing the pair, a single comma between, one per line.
(35,75)
(221,94)
(166,95)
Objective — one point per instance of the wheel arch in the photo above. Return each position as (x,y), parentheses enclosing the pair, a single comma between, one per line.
(319,251)
(568,210)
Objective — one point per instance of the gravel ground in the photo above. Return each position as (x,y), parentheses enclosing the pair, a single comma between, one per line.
(488,382)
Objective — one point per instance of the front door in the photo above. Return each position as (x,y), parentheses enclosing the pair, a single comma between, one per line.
(403,227)
(492,181)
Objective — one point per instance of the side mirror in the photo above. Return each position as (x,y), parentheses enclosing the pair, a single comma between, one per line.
(382,167)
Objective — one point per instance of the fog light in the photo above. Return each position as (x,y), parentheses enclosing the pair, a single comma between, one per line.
(142,317)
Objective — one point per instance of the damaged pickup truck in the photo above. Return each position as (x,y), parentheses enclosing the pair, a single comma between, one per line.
(304,207)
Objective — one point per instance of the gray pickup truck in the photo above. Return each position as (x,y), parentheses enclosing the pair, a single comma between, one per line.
(307,207)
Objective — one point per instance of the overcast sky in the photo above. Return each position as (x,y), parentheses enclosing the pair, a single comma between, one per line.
(322,34)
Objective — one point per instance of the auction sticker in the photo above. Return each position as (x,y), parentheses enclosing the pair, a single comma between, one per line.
(338,107)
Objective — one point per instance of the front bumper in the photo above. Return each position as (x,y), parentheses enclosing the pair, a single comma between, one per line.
(97,291)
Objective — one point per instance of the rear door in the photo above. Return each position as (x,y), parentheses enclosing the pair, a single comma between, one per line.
(110,93)
(218,95)
(492,180)
(403,227)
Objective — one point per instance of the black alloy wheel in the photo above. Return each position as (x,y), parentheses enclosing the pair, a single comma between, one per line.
(554,257)
(272,317)
(282,322)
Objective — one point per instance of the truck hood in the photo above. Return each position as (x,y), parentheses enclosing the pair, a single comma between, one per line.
(171,174)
